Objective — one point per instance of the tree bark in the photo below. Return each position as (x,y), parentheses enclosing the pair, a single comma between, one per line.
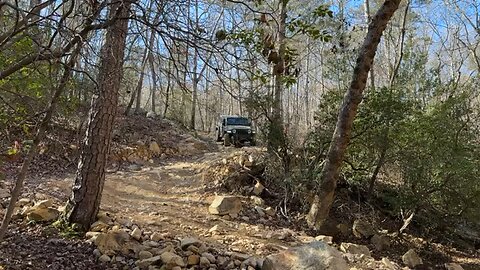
(84,202)
(324,197)
(276,132)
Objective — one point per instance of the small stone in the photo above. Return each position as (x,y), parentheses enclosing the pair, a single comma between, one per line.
(270,211)
(193,260)
(185,242)
(258,189)
(4,194)
(204,262)
(411,259)
(210,257)
(355,249)
(156,236)
(257,200)
(142,255)
(97,253)
(260,211)
(104,258)
(193,249)
(147,262)
(325,238)
(213,229)
(136,234)
(171,259)
(22,202)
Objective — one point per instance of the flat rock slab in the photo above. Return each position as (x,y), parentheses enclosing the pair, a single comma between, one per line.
(313,256)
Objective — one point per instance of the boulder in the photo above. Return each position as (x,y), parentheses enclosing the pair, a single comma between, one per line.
(362,229)
(42,211)
(453,266)
(224,205)
(111,242)
(313,256)
(411,259)
(355,249)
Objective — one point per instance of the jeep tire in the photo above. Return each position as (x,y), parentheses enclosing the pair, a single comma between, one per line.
(227,140)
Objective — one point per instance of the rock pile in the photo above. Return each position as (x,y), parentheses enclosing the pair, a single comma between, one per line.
(122,242)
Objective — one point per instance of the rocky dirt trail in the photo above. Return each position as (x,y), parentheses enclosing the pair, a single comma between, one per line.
(156,214)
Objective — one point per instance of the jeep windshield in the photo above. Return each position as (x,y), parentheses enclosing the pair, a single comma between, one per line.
(238,121)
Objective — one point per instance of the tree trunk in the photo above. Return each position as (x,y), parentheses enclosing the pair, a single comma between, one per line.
(276,133)
(83,205)
(138,89)
(323,200)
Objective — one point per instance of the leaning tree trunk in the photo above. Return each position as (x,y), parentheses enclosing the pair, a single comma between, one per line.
(323,200)
(83,205)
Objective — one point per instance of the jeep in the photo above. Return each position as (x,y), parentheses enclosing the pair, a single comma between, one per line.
(236,130)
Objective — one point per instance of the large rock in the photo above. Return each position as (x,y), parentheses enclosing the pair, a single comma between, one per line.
(224,205)
(171,260)
(355,249)
(42,211)
(411,259)
(111,242)
(314,256)
(362,229)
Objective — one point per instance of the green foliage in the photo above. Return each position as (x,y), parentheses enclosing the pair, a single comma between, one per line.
(67,230)
(433,152)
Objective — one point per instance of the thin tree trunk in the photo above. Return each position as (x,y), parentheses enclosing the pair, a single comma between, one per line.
(136,95)
(167,91)
(367,21)
(154,73)
(277,136)
(324,198)
(84,202)
(40,135)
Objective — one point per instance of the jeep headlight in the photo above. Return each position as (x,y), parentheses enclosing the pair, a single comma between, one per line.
(249,131)
(234,131)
